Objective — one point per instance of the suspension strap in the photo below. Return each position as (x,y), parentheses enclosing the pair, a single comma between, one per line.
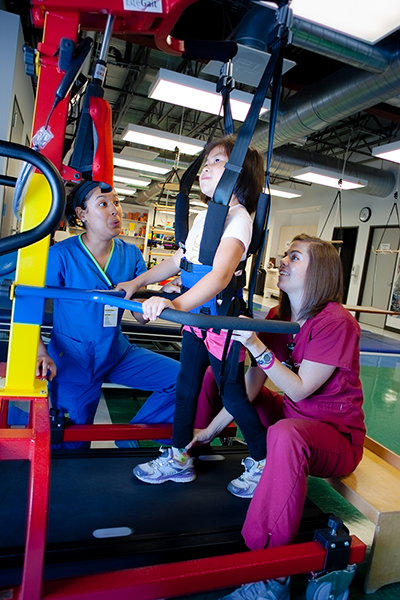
(215,220)
(224,86)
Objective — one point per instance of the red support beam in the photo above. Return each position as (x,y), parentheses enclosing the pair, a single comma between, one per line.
(102,432)
(57,26)
(38,501)
(175,579)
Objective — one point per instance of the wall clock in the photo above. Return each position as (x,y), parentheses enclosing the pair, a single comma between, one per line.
(365,214)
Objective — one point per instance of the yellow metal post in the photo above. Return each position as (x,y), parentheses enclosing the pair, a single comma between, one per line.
(31,270)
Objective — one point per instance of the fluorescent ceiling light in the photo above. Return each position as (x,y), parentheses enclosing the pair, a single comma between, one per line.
(281,192)
(141,165)
(131,180)
(125,191)
(388,152)
(199,94)
(328,178)
(248,65)
(131,152)
(367,20)
(161,139)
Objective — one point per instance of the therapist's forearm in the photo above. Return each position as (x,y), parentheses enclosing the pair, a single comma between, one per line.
(219,422)
(165,269)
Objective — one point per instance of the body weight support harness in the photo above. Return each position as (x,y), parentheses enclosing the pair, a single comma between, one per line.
(221,51)
(218,208)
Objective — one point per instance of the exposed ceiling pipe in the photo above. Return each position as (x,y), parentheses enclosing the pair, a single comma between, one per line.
(256,26)
(287,159)
(334,98)
(338,46)
(155,188)
(147,193)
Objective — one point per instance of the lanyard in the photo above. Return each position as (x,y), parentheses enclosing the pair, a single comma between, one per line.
(102,271)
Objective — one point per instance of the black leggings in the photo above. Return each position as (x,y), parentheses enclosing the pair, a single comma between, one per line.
(195,359)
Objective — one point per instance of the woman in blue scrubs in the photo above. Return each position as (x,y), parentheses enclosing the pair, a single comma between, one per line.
(87,346)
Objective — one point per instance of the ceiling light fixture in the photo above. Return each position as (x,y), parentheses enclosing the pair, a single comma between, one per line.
(282,192)
(329,178)
(129,152)
(199,94)
(248,65)
(388,152)
(161,139)
(131,180)
(125,191)
(141,165)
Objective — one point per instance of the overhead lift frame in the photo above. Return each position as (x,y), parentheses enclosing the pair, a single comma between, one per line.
(60,19)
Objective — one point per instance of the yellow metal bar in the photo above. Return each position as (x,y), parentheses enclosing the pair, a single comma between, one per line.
(31,270)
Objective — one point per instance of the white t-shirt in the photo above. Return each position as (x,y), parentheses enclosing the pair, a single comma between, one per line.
(238,224)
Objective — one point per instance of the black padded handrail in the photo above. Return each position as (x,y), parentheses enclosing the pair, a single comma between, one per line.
(51,221)
(115,298)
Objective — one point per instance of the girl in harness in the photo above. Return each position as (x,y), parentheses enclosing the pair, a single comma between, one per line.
(201,287)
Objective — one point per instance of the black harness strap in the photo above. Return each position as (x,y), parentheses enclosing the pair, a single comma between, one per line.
(182,200)
(225,85)
(226,185)
(223,51)
(264,206)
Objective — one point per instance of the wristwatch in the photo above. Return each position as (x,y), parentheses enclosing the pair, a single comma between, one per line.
(265,359)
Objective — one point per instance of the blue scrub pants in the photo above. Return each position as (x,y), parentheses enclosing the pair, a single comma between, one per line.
(138,368)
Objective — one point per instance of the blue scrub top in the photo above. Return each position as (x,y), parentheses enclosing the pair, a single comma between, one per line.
(81,346)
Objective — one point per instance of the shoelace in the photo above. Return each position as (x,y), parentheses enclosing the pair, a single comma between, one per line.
(161,459)
(248,472)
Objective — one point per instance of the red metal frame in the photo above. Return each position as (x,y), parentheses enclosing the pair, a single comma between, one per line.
(92,17)
(56,26)
(175,579)
(32,443)
(146,583)
(103,432)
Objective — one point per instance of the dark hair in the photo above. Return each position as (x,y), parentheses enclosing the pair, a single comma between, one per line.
(79,196)
(323,281)
(250,182)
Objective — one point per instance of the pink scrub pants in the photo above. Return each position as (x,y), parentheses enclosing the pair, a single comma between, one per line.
(296,448)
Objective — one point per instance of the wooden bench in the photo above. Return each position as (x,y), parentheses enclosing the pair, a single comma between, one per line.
(374,489)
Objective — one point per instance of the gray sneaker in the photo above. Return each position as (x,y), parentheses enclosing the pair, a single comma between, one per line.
(261,590)
(165,468)
(245,485)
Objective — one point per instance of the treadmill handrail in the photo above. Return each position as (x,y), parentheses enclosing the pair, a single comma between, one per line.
(114,298)
(51,221)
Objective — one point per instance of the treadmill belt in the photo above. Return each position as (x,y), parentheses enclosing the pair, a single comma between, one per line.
(96,489)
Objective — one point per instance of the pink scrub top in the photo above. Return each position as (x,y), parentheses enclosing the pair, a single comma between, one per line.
(332,338)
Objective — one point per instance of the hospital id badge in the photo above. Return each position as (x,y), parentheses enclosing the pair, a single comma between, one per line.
(110,317)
